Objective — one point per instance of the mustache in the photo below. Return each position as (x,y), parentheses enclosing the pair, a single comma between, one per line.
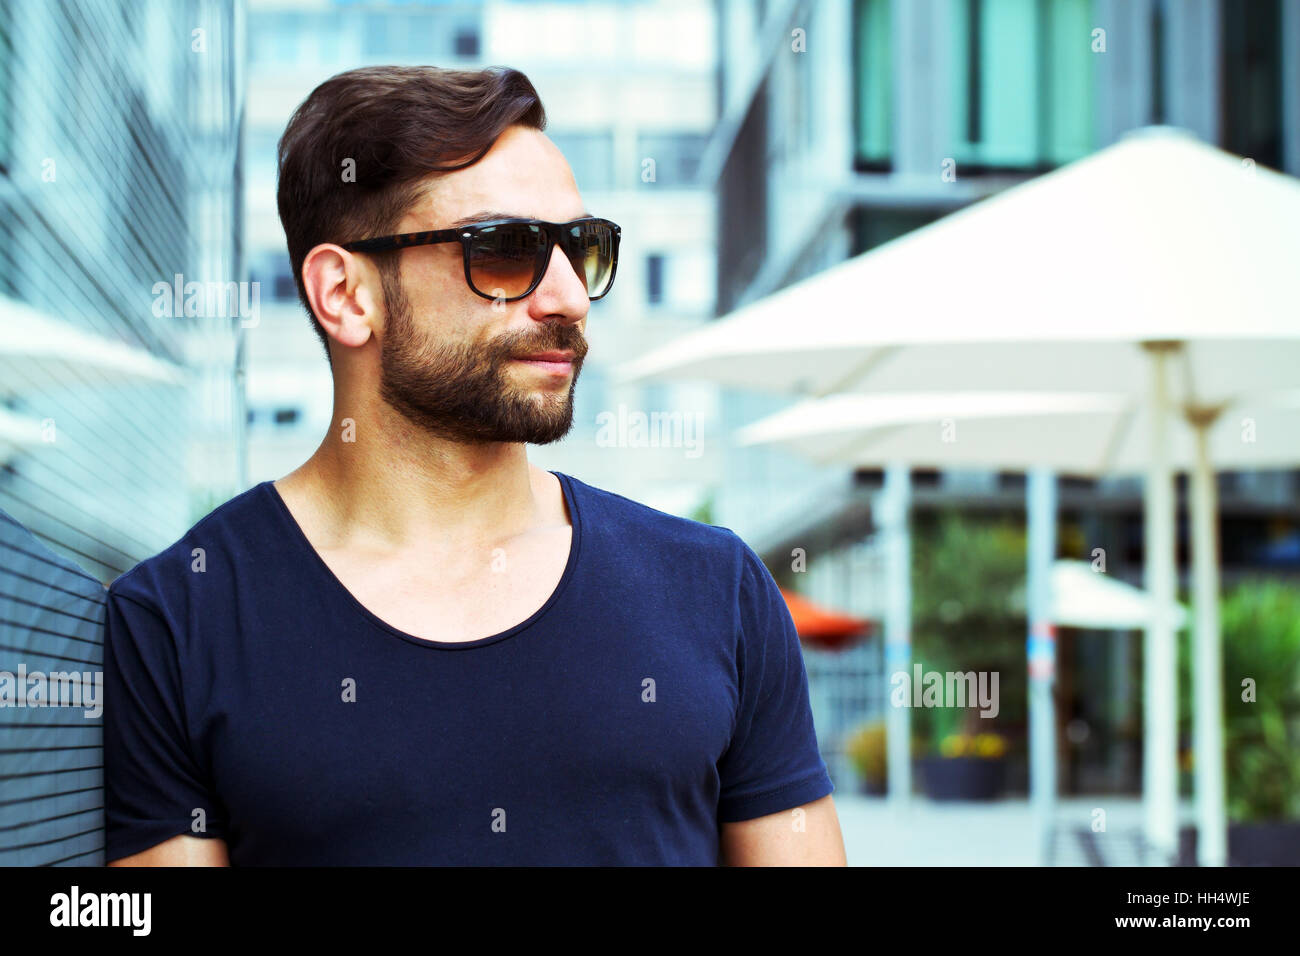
(562,338)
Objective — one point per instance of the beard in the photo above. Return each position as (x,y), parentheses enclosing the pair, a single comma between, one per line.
(462,391)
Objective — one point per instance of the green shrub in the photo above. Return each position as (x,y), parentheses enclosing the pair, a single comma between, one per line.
(965,571)
(1261,643)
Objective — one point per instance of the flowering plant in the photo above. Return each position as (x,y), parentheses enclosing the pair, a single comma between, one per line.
(987,745)
(866,749)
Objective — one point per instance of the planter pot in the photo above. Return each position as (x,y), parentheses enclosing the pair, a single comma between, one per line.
(1264,844)
(963,778)
(871,787)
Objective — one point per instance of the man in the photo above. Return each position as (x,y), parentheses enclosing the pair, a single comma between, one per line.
(417,648)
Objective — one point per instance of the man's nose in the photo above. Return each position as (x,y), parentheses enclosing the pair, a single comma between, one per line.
(562,289)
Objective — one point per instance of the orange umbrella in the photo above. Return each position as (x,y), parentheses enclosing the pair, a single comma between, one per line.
(822,627)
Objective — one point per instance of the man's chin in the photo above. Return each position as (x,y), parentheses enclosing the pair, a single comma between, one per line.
(550,437)
(544,431)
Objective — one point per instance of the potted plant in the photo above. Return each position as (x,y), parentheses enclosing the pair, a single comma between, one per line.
(865,749)
(1261,672)
(969,766)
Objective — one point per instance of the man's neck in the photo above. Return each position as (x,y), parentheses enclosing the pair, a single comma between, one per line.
(395,488)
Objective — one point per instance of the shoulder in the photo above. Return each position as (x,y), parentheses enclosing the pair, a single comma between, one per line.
(611,518)
(212,546)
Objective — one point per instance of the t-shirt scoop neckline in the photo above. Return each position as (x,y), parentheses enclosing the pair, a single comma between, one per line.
(332,581)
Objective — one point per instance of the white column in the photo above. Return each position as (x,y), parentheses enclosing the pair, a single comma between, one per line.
(1041,651)
(1207,663)
(894,504)
(1160,716)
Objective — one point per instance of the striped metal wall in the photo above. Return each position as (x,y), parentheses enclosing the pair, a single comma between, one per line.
(51,757)
(119,170)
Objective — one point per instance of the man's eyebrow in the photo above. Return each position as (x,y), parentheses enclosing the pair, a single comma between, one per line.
(487,215)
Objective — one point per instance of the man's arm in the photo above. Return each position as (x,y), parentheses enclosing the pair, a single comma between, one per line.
(802,836)
(154,781)
(180,850)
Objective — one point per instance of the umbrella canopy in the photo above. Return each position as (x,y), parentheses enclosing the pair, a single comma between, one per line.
(1076,433)
(823,627)
(38,350)
(1082,597)
(1051,284)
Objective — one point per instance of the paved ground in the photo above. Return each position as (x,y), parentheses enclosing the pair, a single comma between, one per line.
(998,833)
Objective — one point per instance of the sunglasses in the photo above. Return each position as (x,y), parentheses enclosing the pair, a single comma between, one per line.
(507,258)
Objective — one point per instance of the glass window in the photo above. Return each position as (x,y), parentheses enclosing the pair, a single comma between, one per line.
(285,289)
(676,155)
(1067,69)
(467,42)
(654,273)
(590,156)
(274,275)
(872,88)
(873,227)
(1021,82)
(1158,95)
(1252,78)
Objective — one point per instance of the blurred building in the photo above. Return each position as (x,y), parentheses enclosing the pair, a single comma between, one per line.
(629,96)
(836,120)
(119,132)
(119,241)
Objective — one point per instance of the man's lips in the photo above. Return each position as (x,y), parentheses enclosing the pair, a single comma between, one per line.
(556,362)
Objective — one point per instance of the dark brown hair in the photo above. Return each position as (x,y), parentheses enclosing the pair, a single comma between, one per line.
(397,124)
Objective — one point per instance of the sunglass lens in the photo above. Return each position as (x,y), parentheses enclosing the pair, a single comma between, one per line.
(596,247)
(503,260)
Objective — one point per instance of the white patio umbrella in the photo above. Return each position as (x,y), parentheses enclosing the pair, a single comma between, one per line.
(1084,433)
(1081,433)
(1083,598)
(1092,277)
(1054,284)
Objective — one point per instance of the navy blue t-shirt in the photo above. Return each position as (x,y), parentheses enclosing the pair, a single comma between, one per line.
(658,692)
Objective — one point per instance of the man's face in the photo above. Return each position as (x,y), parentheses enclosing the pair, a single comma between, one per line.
(450,360)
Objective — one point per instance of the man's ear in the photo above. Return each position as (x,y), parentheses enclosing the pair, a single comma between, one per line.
(340,288)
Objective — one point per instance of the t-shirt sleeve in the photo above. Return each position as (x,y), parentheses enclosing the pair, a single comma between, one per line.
(773,762)
(152,782)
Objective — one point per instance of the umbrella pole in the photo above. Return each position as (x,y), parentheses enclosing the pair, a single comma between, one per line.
(1160,662)
(1041,652)
(895,506)
(1207,670)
